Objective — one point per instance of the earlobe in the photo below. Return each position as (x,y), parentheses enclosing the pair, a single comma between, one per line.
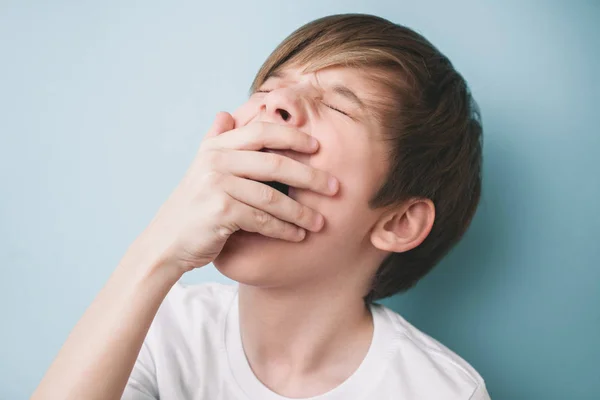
(404,227)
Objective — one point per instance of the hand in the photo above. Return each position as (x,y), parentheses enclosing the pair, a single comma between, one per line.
(220,195)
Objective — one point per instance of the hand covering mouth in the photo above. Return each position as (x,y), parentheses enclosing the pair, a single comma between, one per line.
(281,187)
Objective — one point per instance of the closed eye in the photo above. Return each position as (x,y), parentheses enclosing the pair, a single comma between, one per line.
(336,109)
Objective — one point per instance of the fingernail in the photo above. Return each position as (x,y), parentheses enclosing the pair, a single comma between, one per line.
(318,221)
(314,143)
(333,184)
(301,233)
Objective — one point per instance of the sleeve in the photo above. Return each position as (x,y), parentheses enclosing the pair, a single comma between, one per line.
(142,381)
(480,393)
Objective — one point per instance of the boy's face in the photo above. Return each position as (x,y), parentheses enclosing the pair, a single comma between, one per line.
(351,149)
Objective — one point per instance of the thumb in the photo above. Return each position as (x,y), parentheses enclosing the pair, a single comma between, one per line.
(223,122)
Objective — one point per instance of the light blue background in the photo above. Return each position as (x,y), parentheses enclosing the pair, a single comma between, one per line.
(102,108)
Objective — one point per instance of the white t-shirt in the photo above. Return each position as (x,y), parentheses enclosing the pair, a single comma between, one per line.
(194,351)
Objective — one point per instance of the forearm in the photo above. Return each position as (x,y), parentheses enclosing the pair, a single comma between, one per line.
(99,354)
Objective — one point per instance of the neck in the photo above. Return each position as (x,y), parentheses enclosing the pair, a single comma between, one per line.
(291,332)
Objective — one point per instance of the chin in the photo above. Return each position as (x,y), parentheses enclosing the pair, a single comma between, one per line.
(257,260)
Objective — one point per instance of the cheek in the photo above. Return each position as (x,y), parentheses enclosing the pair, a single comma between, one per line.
(348,220)
(349,210)
(353,162)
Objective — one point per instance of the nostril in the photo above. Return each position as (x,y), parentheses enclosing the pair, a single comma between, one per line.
(284,114)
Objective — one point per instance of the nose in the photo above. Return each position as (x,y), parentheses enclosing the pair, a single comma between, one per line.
(284,106)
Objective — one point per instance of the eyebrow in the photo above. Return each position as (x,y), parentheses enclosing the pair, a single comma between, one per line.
(274,74)
(349,95)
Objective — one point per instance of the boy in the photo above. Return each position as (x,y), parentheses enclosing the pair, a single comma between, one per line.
(370,146)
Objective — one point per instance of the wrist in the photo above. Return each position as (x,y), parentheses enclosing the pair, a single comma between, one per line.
(145,263)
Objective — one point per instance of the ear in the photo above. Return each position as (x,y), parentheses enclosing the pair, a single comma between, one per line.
(404,227)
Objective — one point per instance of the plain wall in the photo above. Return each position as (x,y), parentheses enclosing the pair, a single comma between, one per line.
(102,107)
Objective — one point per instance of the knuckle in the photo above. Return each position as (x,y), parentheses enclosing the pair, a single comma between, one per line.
(214,157)
(212,179)
(268,195)
(274,161)
(301,213)
(313,175)
(261,218)
(205,146)
(222,206)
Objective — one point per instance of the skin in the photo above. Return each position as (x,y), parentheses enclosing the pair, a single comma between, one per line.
(304,326)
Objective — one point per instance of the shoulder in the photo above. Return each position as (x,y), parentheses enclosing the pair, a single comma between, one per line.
(187,308)
(209,295)
(429,363)
(184,343)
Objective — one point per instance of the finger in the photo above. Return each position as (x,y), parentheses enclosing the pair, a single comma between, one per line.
(263,197)
(223,122)
(251,219)
(267,167)
(259,135)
